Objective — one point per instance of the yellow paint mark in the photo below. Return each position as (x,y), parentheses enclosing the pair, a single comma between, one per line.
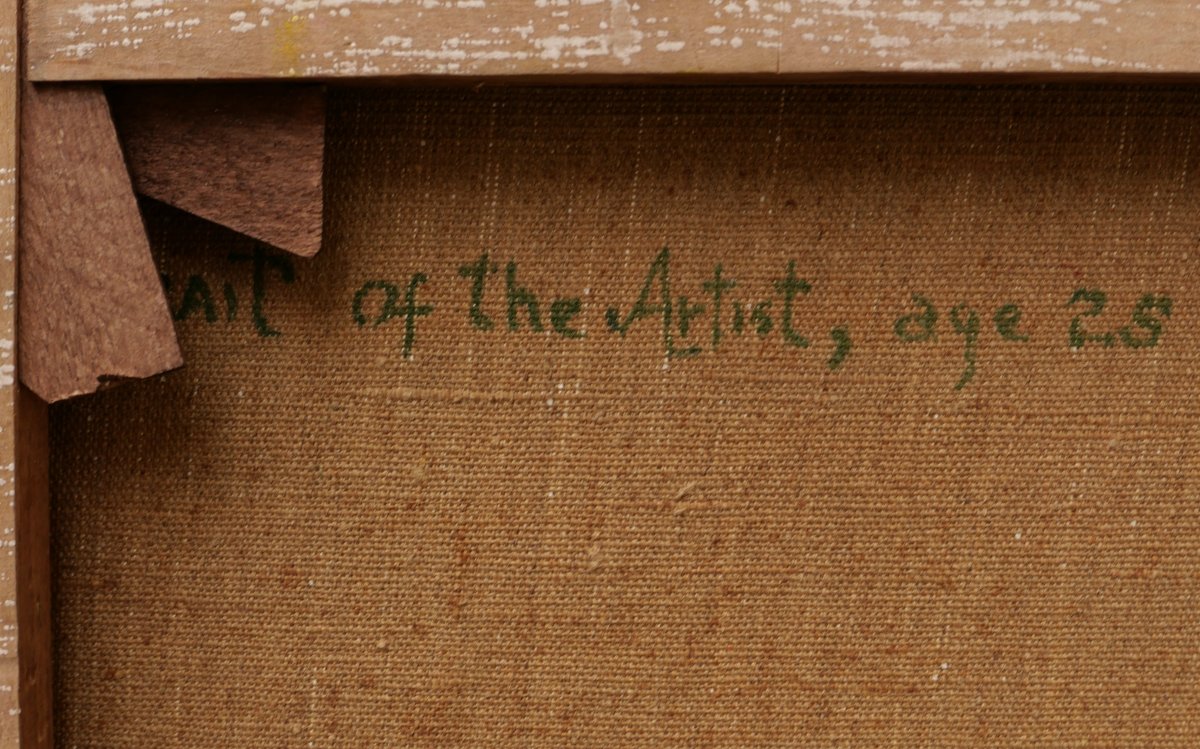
(289,43)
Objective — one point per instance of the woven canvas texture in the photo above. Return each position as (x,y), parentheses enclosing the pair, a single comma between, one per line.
(925,474)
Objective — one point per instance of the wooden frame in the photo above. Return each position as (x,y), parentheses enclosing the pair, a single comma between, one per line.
(351,38)
(21,435)
(619,40)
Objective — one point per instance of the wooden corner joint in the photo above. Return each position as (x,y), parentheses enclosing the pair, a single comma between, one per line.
(92,308)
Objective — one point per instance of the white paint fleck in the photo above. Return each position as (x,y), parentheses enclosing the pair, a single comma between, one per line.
(91,12)
(1000,18)
(879,41)
(241,25)
(929,18)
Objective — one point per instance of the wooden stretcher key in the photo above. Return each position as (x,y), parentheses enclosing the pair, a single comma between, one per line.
(249,157)
(92,309)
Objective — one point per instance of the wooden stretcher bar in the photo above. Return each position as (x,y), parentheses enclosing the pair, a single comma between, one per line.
(233,39)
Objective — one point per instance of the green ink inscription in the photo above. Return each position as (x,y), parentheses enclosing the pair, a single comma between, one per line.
(263,262)
(1077,335)
(919,326)
(680,317)
(739,317)
(789,286)
(760,318)
(966,322)
(389,309)
(562,311)
(1008,320)
(1144,318)
(519,296)
(231,302)
(841,340)
(687,312)
(717,288)
(660,274)
(478,273)
(197,296)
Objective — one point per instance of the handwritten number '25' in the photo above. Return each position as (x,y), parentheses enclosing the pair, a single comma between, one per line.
(1144,332)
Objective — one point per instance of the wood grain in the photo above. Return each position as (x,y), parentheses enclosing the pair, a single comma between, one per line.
(10,719)
(161,39)
(33,571)
(249,157)
(92,306)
